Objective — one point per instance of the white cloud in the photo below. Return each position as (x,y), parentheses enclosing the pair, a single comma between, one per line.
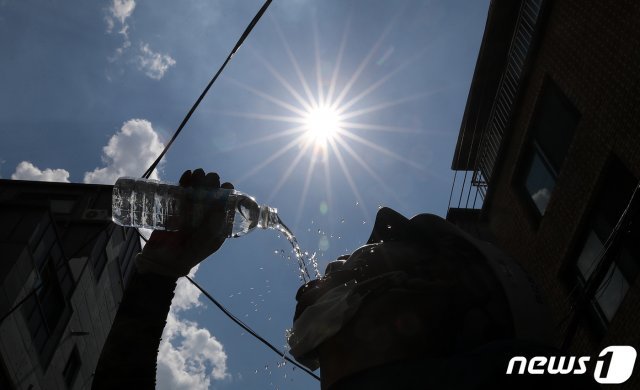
(27,171)
(118,12)
(184,366)
(189,357)
(186,296)
(153,64)
(129,152)
(122,9)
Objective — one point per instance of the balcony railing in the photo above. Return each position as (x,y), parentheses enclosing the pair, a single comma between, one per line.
(502,108)
(507,92)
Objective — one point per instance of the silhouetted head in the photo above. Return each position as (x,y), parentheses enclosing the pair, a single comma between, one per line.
(420,287)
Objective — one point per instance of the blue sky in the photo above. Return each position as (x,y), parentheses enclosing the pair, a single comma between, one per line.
(91,90)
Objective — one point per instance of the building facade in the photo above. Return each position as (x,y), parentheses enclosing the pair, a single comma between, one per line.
(64,268)
(548,160)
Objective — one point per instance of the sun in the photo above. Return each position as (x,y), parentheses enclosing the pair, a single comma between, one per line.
(321,125)
(326,122)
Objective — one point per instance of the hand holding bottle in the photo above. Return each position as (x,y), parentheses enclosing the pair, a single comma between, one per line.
(175,253)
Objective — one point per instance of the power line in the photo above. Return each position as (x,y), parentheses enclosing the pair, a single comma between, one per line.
(251,331)
(244,35)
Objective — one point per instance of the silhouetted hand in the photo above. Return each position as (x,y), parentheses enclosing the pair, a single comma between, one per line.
(175,253)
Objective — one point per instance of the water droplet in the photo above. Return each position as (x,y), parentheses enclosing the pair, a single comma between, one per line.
(256,371)
(388,226)
(266,367)
(276,252)
(372,251)
(357,203)
(309,229)
(339,237)
(261,268)
(363,222)
(319,232)
(342,220)
(379,206)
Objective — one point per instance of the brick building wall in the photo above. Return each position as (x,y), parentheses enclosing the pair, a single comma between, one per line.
(591,50)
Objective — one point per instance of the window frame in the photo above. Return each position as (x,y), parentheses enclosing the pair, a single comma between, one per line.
(533,147)
(54,271)
(599,319)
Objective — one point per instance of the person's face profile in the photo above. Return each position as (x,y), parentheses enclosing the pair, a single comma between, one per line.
(366,262)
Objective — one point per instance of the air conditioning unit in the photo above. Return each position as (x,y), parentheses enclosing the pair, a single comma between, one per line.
(96,215)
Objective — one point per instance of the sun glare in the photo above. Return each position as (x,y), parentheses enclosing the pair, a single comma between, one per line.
(326,121)
(321,124)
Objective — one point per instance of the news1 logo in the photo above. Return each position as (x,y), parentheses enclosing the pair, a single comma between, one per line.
(613,366)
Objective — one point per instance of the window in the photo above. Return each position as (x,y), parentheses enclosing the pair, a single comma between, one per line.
(47,308)
(611,266)
(71,368)
(88,239)
(552,132)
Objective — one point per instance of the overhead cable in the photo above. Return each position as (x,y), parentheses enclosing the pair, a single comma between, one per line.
(251,331)
(244,35)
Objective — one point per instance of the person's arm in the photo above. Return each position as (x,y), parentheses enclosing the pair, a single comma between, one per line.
(129,355)
(130,352)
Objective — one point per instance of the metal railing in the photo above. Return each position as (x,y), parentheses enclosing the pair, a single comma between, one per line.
(506,94)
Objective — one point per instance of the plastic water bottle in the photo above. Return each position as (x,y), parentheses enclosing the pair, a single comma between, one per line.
(151,204)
